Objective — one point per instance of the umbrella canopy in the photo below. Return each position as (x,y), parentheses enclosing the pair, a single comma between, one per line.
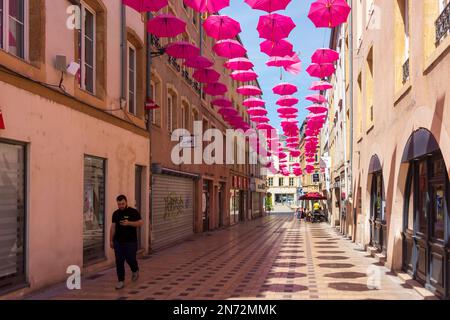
(313,196)
(239,64)
(215,89)
(254,102)
(260,119)
(275,26)
(206,75)
(284,89)
(229,48)
(257,111)
(316,108)
(166,25)
(198,62)
(329,13)
(221,27)
(264,126)
(222,102)
(244,76)
(278,48)
(321,70)
(296,67)
(287,101)
(182,50)
(288,115)
(146,5)
(320,86)
(295,153)
(287,110)
(210,6)
(249,91)
(325,55)
(316,98)
(268,5)
(280,62)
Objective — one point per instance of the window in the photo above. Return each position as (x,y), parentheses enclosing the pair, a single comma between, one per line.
(93,209)
(131,79)
(369,86)
(169,113)
(270,182)
(87,46)
(280,182)
(12,214)
(291,182)
(13,27)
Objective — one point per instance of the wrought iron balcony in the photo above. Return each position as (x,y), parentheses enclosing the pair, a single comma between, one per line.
(443,24)
(406,71)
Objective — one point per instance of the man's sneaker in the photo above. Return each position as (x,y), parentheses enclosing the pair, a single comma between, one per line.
(135,276)
(120,285)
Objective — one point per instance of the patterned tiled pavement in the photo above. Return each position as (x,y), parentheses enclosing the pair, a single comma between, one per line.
(276,257)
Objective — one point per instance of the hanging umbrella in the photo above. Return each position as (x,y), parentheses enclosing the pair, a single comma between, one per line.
(146,5)
(287,101)
(254,102)
(206,75)
(296,67)
(210,6)
(268,5)
(280,62)
(222,102)
(229,48)
(221,27)
(284,89)
(260,119)
(322,70)
(329,13)
(325,56)
(227,112)
(316,108)
(215,89)
(166,25)
(182,50)
(239,64)
(249,91)
(198,62)
(288,116)
(275,26)
(295,153)
(257,111)
(264,126)
(316,98)
(287,110)
(320,86)
(278,48)
(244,76)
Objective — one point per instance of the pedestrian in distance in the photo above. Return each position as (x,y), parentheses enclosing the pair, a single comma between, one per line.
(123,239)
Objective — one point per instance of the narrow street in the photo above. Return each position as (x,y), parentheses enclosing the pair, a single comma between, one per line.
(276,257)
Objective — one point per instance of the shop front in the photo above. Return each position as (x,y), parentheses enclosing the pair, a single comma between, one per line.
(238,199)
(258,191)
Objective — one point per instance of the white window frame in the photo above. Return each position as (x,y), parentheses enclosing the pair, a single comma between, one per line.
(132,108)
(85,8)
(5,22)
(169,112)
(406,8)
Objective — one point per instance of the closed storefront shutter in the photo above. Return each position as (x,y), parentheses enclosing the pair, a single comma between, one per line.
(256,204)
(172,209)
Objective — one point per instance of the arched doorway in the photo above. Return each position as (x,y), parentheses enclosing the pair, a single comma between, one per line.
(426,250)
(378,229)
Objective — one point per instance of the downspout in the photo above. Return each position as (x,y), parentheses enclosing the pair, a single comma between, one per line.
(343,117)
(123,55)
(351,121)
(149,96)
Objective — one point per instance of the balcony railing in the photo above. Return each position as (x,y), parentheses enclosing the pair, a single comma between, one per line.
(443,24)
(406,71)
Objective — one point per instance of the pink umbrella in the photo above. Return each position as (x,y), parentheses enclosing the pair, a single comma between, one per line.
(249,91)
(254,102)
(284,89)
(215,89)
(295,153)
(287,101)
(226,111)
(296,67)
(282,155)
(316,98)
(206,75)
(198,62)
(229,48)
(316,108)
(322,70)
(222,102)
(320,86)
(278,48)
(329,13)
(244,76)
(275,26)
(289,116)
(239,64)
(325,56)
(182,50)
(210,6)
(257,111)
(280,62)
(260,119)
(268,5)
(221,27)
(166,25)
(146,5)
(287,110)
(264,126)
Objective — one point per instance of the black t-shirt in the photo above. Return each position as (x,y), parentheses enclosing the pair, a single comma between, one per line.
(125,234)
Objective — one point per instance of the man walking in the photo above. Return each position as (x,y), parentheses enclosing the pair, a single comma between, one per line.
(123,239)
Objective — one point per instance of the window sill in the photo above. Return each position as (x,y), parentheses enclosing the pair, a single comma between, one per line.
(23,67)
(433,60)
(402,92)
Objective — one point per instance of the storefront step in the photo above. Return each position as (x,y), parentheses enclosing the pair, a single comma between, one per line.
(409,281)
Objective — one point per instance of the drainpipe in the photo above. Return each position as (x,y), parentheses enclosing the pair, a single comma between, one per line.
(351,119)
(123,54)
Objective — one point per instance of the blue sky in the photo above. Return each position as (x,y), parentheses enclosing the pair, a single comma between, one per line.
(306,38)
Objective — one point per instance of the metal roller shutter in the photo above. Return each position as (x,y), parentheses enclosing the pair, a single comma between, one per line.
(173,210)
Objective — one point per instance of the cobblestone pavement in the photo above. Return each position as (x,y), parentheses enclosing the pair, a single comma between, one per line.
(276,257)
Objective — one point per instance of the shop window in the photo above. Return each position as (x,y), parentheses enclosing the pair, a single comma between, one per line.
(13,27)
